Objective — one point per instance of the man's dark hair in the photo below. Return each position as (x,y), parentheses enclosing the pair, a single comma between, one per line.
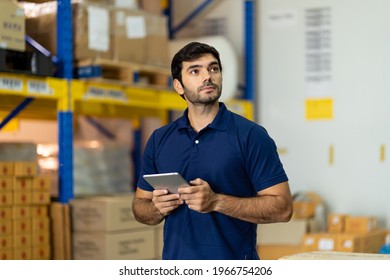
(191,52)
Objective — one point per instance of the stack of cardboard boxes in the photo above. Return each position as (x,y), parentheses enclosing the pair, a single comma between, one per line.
(311,230)
(281,239)
(25,223)
(347,233)
(102,29)
(104,228)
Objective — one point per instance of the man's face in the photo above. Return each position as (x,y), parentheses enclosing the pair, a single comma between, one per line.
(202,80)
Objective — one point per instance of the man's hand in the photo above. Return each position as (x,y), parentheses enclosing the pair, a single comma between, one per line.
(198,196)
(164,202)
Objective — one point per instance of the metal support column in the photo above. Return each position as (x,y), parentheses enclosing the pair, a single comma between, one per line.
(65,115)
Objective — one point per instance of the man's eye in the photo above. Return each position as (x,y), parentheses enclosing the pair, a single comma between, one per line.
(194,71)
(215,69)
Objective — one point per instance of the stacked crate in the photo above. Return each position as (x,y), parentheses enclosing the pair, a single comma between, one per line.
(24,200)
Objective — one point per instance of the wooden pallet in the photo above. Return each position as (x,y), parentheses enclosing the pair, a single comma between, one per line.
(123,72)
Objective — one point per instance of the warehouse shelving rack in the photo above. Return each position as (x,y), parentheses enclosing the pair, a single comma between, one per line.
(60,98)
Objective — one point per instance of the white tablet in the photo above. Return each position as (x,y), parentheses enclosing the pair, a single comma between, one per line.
(169,181)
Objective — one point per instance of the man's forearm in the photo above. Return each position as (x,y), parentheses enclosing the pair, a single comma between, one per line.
(258,210)
(145,212)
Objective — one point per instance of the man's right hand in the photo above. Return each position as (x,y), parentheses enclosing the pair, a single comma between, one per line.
(166,202)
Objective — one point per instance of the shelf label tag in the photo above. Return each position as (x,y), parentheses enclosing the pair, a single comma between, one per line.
(40,87)
(116,94)
(11,84)
(108,94)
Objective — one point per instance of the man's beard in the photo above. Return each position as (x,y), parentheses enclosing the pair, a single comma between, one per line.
(196,99)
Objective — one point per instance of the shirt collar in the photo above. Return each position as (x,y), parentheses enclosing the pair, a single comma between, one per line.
(220,122)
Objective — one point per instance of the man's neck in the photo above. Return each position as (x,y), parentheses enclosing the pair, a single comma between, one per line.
(201,116)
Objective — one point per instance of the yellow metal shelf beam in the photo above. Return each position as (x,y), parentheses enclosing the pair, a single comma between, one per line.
(93,98)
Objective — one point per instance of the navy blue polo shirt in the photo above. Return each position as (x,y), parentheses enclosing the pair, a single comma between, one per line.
(236,157)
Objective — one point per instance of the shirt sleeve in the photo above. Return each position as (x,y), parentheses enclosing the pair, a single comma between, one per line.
(263,162)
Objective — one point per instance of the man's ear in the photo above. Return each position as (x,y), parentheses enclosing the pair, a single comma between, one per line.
(178,87)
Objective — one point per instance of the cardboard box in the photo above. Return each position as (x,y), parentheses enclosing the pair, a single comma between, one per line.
(42,183)
(360,224)
(347,242)
(39,211)
(22,254)
(91,31)
(5,213)
(6,183)
(319,242)
(6,226)
(152,6)
(21,226)
(306,205)
(12,26)
(6,168)
(40,198)
(40,238)
(60,229)
(286,233)
(19,212)
(336,222)
(277,251)
(157,40)
(128,28)
(22,240)
(18,168)
(6,254)
(6,242)
(40,224)
(6,198)
(104,213)
(42,252)
(123,245)
(25,168)
(22,184)
(371,242)
(22,198)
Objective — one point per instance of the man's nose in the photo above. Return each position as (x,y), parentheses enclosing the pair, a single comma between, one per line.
(207,77)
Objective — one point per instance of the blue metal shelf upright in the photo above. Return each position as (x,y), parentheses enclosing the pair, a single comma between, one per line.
(65,116)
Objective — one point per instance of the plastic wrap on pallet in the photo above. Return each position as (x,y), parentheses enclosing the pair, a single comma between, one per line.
(18,151)
(101,169)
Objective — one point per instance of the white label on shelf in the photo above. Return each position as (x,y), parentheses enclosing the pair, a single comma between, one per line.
(94,93)
(100,93)
(11,84)
(116,94)
(39,87)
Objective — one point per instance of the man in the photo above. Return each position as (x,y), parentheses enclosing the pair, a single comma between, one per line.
(237,180)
